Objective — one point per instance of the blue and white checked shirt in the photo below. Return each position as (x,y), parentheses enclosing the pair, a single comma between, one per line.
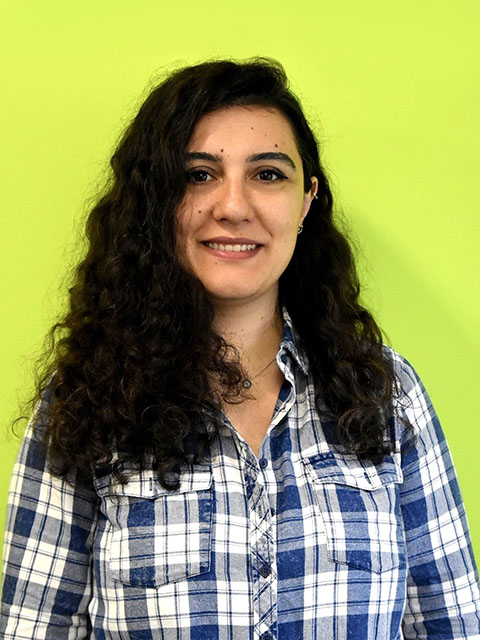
(302,543)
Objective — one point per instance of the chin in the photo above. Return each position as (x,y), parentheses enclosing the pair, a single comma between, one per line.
(231,294)
(238,293)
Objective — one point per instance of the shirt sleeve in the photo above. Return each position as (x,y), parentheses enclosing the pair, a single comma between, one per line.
(443,600)
(47,550)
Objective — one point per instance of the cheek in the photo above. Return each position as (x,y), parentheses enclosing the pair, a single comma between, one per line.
(184,221)
(182,233)
(291,220)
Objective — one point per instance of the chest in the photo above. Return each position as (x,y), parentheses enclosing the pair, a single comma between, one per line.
(252,417)
(256,536)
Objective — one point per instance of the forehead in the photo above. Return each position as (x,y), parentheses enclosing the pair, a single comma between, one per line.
(250,128)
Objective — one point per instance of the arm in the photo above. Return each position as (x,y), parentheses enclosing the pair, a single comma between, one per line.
(443,600)
(47,559)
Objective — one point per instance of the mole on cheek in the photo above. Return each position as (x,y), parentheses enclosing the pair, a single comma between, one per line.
(199,211)
(221,150)
(276,145)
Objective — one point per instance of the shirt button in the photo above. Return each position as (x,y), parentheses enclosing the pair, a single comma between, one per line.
(272,511)
(263,463)
(265,570)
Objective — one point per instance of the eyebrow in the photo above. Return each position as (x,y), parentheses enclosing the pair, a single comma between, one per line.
(266,155)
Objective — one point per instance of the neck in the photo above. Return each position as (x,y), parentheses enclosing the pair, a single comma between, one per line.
(254,329)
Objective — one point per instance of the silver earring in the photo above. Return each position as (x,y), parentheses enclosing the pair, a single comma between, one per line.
(300,229)
(315,197)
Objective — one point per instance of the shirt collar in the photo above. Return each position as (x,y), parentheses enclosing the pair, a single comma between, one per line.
(292,342)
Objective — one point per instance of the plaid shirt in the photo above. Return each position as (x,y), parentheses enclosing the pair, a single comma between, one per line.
(304,542)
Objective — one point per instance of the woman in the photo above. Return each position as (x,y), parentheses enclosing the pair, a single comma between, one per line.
(223,447)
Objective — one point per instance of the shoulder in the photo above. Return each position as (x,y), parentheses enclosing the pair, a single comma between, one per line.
(414,415)
(406,378)
(409,393)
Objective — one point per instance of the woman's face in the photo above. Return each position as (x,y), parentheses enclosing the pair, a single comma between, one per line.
(237,223)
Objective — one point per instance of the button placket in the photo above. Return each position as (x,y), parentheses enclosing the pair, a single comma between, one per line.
(262,554)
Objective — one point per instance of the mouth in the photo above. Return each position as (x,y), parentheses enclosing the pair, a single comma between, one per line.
(234,248)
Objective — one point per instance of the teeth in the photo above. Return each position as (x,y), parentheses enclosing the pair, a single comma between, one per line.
(231,247)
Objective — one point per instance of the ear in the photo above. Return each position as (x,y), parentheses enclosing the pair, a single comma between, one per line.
(308,197)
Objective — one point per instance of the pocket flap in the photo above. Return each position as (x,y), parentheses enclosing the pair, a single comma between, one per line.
(348,469)
(145,484)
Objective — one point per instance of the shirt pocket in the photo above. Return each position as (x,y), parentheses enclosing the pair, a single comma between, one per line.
(159,536)
(359,504)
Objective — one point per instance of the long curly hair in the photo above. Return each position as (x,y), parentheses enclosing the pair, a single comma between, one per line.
(130,367)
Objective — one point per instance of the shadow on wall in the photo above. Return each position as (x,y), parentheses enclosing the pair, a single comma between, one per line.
(426,329)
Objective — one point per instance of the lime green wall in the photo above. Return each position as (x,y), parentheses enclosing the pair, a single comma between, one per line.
(393,91)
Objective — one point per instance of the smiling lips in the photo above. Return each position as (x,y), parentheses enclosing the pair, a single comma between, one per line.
(231,247)
(241,247)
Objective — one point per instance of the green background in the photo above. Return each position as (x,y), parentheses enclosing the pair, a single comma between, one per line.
(392,90)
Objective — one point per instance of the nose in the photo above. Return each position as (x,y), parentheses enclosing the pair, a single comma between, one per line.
(232,203)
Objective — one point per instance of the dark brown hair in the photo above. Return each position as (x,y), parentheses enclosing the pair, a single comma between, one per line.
(132,358)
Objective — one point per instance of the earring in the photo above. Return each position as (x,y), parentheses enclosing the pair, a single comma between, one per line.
(315,197)
(300,229)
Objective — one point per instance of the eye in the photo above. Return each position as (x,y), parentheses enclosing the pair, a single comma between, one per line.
(197,176)
(271,175)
